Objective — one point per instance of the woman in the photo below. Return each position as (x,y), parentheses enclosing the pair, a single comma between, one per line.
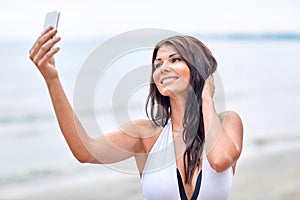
(186,150)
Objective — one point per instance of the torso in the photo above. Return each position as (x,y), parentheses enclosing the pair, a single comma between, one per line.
(148,144)
(188,188)
(153,132)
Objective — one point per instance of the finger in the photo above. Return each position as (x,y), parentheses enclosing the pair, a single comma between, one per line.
(47,30)
(45,36)
(48,55)
(43,33)
(45,48)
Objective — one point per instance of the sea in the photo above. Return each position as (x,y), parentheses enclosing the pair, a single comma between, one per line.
(259,78)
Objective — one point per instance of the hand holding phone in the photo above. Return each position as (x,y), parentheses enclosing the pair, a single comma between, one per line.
(51,19)
(42,52)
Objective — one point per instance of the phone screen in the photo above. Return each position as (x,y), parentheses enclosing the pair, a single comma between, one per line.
(51,19)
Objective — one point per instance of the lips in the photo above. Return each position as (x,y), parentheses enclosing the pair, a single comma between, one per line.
(168,79)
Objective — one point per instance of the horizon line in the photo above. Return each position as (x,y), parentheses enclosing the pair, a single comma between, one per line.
(204,35)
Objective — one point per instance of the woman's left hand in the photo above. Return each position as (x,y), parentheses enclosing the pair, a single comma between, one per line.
(208,88)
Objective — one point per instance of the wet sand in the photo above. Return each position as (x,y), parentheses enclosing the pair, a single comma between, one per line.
(275,176)
(272,175)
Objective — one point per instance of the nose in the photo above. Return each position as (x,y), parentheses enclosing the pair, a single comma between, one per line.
(164,68)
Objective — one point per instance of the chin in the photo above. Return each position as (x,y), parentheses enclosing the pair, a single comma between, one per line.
(166,92)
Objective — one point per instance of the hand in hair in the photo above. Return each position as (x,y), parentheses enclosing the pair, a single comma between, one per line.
(209,87)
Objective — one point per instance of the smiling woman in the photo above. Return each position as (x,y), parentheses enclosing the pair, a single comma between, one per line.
(206,147)
(185,150)
(171,73)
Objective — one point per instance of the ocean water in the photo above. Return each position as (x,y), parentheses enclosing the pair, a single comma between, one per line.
(260,80)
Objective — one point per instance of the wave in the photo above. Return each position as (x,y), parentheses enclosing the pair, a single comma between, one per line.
(34,174)
(25,118)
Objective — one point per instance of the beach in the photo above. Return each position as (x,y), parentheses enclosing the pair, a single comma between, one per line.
(261,83)
(268,175)
(271,176)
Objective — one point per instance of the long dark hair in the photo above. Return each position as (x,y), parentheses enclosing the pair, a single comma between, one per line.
(201,64)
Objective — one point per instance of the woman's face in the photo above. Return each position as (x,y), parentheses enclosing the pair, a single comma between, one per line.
(172,74)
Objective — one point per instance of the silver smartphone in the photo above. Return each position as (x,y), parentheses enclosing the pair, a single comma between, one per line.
(51,19)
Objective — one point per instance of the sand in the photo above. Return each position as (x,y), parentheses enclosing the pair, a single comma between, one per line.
(272,174)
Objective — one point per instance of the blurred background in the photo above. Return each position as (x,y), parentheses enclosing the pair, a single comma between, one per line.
(256,44)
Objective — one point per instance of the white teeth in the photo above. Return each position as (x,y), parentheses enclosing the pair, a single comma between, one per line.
(166,80)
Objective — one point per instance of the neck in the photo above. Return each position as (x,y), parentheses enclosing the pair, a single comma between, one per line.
(177,108)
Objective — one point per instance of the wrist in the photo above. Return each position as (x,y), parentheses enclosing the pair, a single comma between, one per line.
(207,98)
(207,103)
(51,81)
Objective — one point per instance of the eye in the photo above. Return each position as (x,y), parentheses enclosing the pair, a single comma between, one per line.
(176,60)
(157,65)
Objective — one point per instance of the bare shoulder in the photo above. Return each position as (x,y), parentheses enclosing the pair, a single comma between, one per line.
(233,126)
(141,128)
(231,119)
(146,131)
(130,135)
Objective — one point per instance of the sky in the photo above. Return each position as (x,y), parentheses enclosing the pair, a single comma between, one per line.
(21,19)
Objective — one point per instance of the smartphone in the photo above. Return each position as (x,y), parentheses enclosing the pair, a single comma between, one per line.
(51,19)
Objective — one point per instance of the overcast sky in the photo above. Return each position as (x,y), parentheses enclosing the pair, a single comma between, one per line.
(91,18)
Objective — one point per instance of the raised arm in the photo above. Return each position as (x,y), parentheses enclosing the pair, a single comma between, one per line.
(223,133)
(114,147)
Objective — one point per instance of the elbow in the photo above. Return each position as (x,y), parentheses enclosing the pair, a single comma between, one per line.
(223,162)
(84,158)
(81,160)
(87,160)
(83,155)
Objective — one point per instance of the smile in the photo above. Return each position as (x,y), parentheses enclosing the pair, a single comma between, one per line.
(168,79)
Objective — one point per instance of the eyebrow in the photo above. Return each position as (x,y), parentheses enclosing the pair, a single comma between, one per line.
(171,55)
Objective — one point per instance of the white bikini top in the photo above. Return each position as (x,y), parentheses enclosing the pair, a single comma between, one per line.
(159,178)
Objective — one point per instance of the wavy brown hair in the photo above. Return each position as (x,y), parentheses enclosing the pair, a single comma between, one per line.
(201,64)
